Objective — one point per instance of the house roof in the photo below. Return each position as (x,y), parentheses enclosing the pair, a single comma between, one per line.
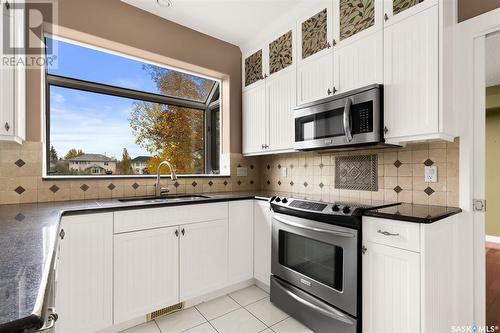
(141,159)
(93,158)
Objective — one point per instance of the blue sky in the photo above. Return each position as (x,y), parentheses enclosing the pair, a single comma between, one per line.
(93,122)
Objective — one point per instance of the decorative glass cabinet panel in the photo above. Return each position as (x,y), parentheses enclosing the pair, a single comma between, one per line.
(280,53)
(400,5)
(356,16)
(315,34)
(253,68)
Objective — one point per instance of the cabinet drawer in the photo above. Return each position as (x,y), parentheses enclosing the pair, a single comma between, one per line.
(149,218)
(403,235)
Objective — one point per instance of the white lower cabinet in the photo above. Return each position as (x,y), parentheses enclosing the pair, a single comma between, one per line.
(262,242)
(391,289)
(240,247)
(203,258)
(146,272)
(84,289)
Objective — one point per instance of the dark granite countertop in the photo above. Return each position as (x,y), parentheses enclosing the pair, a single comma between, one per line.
(414,213)
(28,239)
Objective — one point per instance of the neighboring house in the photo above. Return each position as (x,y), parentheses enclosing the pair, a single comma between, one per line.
(139,165)
(95,164)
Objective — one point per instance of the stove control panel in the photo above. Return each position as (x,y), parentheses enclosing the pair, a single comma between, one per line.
(336,208)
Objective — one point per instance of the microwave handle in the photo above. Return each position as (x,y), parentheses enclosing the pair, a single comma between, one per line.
(347,120)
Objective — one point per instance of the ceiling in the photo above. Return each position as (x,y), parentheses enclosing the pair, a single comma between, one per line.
(234,21)
(492,63)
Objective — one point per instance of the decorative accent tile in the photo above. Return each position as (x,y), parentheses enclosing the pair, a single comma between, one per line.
(321,185)
(239,182)
(279,182)
(253,68)
(355,16)
(194,184)
(314,34)
(358,172)
(19,190)
(19,163)
(251,166)
(54,188)
(268,182)
(292,183)
(176,184)
(400,5)
(321,166)
(135,186)
(428,162)
(84,187)
(19,217)
(398,189)
(398,163)
(225,183)
(306,184)
(268,167)
(280,53)
(210,183)
(279,166)
(111,187)
(429,191)
(239,165)
(251,182)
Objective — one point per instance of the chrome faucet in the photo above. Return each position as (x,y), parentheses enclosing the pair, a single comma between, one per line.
(159,191)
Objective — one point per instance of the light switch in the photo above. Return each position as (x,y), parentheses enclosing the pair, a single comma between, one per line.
(241,172)
(431,174)
(284,172)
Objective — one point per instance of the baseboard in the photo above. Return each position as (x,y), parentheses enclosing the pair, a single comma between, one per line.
(493,239)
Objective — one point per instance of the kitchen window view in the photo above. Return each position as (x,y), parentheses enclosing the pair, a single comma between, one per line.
(109,115)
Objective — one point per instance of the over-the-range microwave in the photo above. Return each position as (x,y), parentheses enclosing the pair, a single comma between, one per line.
(346,120)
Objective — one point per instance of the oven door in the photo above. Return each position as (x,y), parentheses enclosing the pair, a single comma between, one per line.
(319,258)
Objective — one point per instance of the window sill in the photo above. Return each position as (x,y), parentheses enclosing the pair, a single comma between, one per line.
(52,178)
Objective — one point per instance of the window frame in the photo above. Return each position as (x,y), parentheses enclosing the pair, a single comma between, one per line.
(100,88)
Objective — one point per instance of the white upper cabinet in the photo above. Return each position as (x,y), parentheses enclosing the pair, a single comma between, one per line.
(358,51)
(397,10)
(254,67)
(314,45)
(12,78)
(411,77)
(254,119)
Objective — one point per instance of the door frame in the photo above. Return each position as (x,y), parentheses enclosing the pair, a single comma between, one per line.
(470,89)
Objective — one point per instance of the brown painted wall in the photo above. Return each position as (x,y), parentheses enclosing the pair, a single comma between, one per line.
(470,8)
(116,21)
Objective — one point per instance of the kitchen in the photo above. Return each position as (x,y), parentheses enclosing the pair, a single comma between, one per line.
(312,175)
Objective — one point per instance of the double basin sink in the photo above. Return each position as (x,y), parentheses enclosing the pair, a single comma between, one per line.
(164,199)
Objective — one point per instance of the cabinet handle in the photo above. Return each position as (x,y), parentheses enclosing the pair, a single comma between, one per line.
(334,90)
(263,146)
(334,42)
(176,232)
(386,233)
(328,45)
(7,127)
(183,231)
(386,17)
(7,5)
(329,91)
(62,234)
(266,76)
(363,249)
(386,130)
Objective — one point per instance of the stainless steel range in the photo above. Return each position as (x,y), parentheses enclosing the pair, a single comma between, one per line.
(316,264)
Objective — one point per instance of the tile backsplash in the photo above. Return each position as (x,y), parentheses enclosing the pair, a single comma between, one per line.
(400,177)
(400,174)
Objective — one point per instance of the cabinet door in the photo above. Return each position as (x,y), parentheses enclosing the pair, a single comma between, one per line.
(391,290)
(203,258)
(411,54)
(253,68)
(281,51)
(315,78)
(84,290)
(396,10)
(146,276)
(281,98)
(359,63)
(314,31)
(355,19)
(240,253)
(254,119)
(262,241)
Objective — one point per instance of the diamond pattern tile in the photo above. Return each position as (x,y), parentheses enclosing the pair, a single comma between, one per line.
(429,191)
(54,188)
(428,162)
(176,184)
(268,167)
(251,182)
(19,217)
(210,183)
(251,166)
(225,183)
(239,182)
(279,166)
(321,166)
(135,186)
(19,190)
(19,163)
(306,184)
(194,184)
(268,182)
(398,163)
(84,187)
(321,185)
(111,187)
(279,182)
(292,183)
(398,189)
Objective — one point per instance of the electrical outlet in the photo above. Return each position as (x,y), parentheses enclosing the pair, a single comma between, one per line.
(284,172)
(431,174)
(241,172)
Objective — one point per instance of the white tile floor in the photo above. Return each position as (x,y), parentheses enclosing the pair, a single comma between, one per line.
(244,311)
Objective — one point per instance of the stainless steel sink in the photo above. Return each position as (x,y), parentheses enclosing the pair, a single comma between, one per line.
(168,198)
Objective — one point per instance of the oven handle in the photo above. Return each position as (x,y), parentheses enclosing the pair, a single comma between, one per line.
(347,120)
(298,225)
(334,314)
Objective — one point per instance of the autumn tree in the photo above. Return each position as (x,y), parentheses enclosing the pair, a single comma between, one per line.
(171,132)
(53,154)
(72,153)
(125,165)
